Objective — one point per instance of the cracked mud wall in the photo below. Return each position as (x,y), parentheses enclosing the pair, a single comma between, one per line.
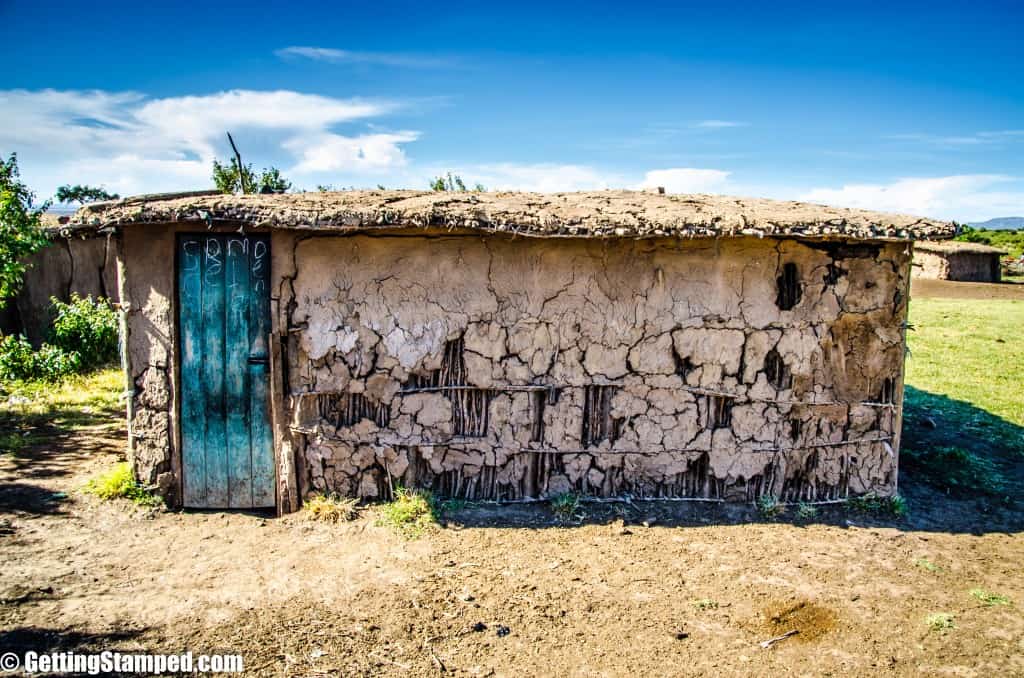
(69,265)
(500,368)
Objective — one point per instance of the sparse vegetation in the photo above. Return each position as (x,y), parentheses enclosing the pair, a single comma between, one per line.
(454,183)
(988,598)
(119,482)
(940,622)
(330,508)
(871,503)
(769,508)
(566,507)
(926,564)
(705,604)
(411,512)
(805,511)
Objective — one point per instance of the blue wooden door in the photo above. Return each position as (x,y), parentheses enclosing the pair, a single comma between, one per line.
(224,320)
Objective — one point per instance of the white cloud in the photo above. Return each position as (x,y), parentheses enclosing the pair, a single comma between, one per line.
(961,197)
(132,143)
(327,152)
(719,124)
(343,56)
(686,180)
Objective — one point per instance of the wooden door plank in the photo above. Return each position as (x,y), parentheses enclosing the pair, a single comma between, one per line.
(262,441)
(193,407)
(236,371)
(213,372)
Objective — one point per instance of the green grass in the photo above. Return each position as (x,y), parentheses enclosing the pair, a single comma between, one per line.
(968,352)
(769,508)
(872,503)
(928,565)
(411,512)
(940,622)
(566,507)
(77,401)
(957,471)
(990,599)
(118,482)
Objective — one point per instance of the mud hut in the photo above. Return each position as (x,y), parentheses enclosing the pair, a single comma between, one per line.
(964,261)
(510,346)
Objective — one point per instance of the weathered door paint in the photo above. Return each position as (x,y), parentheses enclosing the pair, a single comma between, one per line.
(224,319)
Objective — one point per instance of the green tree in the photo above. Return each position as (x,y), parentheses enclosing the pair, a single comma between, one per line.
(454,183)
(230,177)
(271,181)
(21,231)
(83,194)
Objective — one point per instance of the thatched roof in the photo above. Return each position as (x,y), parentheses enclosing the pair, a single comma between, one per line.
(956,247)
(584,214)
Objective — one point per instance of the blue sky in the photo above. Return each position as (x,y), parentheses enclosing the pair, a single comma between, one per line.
(913,107)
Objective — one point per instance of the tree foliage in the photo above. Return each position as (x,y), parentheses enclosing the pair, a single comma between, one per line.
(230,177)
(21,231)
(454,183)
(83,194)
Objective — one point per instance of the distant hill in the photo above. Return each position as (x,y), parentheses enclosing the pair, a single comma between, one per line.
(1000,223)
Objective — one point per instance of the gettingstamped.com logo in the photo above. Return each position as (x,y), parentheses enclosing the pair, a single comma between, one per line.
(120,662)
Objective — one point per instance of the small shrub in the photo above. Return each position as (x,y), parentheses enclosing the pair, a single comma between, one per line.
(872,503)
(957,471)
(940,622)
(119,483)
(769,508)
(330,508)
(805,511)
(87,327)
(84,336)
(990,599)
(411,512)
(20,362)
(705,604)
(926,564)
(566,507)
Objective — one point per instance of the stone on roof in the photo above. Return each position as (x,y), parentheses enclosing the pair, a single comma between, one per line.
(613,213)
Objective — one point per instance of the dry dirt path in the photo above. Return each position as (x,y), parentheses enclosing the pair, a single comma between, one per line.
(507,592)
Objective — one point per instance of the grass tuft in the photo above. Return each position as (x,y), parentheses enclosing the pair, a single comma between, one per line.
(411,512)
(895,505)
(990,599)
(705,604)
(928,565)
(119,482)
(567,507)
(330,508)
(805,511)
(940,622)
(769,507)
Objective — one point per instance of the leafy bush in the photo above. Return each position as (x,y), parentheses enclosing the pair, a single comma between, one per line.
(20,362)
(84,337)
(119,483)
(87,327)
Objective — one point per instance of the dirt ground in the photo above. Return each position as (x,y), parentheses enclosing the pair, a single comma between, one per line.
(949,289)
(645,589)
